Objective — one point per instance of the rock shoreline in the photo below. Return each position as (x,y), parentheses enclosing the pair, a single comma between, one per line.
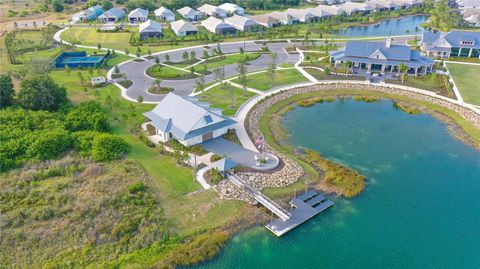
(291,171)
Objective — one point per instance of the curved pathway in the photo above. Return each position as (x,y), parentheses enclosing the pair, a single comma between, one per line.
(136,72)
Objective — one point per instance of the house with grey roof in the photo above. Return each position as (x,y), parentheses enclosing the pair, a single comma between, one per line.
(301,15)
(382,5)
(88,14)
(232,8)
(283,17)
(150,29)
(266,20)
(138,15)
(382,57)
(242,23)
(451,44)
(190,14)
(185,119)
(218,26)
(332,10)
(112,15)
(353,7)
(164,14)
(183,28)
(212,10)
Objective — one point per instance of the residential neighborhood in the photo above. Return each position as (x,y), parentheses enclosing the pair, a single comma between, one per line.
(239,134)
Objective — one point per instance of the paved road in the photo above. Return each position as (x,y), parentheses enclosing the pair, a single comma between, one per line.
(141,82)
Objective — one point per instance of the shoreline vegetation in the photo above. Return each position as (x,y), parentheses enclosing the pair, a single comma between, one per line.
(349,182)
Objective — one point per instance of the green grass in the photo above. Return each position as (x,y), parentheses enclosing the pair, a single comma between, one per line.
(232,59)
(438,84)
(466,78)
(262,82)
(220,98)
(188,214)
(165,72)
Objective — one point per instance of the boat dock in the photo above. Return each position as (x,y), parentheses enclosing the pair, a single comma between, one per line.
(306,206)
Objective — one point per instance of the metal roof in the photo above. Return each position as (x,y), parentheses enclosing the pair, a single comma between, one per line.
(185,118)
(182,26)
(150,26)
(138,12)
(114,12)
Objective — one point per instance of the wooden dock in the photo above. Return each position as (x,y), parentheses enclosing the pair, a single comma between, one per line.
(306,206)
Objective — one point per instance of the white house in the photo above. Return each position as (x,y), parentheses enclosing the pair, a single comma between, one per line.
(186,120)
(382,5)
(332,10)
(183,28)
(150,29)
(232,8)
(283,17)
(164,14)
(301,15)
(212,11)
(218,26)
(266,20)
(190,14)
(138,15)
(98,81)
(353,7)
(241,23)
(112,15)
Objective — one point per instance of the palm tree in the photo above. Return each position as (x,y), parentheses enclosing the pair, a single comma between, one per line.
(402,68)
(156,83)
(346,64)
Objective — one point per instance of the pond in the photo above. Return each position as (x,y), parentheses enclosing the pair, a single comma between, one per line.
(396,26)
(420,208)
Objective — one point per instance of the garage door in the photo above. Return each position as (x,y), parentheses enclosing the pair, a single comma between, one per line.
(207,136)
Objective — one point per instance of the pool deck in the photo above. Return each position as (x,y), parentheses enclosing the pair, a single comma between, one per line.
(307,205)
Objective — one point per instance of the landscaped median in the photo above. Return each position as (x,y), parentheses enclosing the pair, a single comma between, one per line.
(229,99)
(262,81)
(165,72)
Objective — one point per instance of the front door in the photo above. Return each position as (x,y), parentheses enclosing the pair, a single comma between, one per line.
(207,136)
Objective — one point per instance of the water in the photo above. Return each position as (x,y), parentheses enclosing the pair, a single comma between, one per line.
(420,208)
(398,26)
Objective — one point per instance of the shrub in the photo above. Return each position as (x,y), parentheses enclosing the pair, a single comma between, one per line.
(41,93)
(137,187)
(83,141)
(107,147)
(87,116)
(6,90)
(48,144)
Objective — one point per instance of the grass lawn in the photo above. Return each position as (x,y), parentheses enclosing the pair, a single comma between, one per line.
(119,41)
(188,214)
(165,72)
(220,98)
(262,81)
(466,79)
(231,59)
(439,84)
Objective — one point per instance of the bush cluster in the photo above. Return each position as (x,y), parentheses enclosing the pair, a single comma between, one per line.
(27,135)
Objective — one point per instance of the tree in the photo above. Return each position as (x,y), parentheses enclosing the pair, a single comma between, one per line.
(41,93)
(185,56)
(57,6)
(272,67)
(156,83)
(99,46)
(139,52)
(219,74)
(116,70)
(346,64)
(205,55)
(200,82)
(192,71)
(108,147)
(167,58)
(157,60)
(149,52)
(402,68)
(193,55)
(127,52)
(140,98)
(87,116)
(106,5)
(242,74)
(6,90)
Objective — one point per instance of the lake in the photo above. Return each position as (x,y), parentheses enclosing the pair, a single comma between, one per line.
(398,26)
(420,208)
